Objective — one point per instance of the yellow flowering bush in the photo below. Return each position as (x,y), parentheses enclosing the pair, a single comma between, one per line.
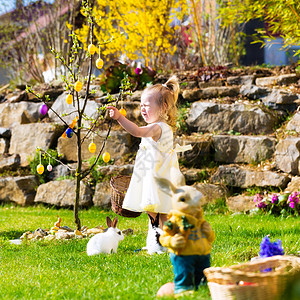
(137,29)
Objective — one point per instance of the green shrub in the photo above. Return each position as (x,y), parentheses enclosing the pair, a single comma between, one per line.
(45,160)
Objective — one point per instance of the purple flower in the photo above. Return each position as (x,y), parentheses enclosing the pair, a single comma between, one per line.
(293,199)
(267,248)
(292,204)
(274,198)
(258,199)
(138,71)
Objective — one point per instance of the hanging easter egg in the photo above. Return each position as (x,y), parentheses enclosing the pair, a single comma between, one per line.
(69,132)
(106,157)
(69,99)
(78,86)
(44,109)
(92,147)
(49,168)
(99,63)
(91,49)
(40,169)
(123,112)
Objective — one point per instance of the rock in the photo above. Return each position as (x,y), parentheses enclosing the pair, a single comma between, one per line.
(211,192)
(94,231)
(12,114)
(127,232)
(102,195)
(4,145)
(62,193)
(280,97)
(20,190)
(294,185)
(38,135)
(254,92)
(277,80)
(245,119)
(136,96)
(294,123)
(111,170)
(10,162)
(189,85)
(53,93)
(133,111)
(61,107)
(59,171)
(14,98)
(97,93)
(240,203)
(62,235)
(201,150)
(243,149)
(287,155)
(192,175)
(5,133)
(245,178)
(210,92)
(210,83)
(118,145)
(241,80)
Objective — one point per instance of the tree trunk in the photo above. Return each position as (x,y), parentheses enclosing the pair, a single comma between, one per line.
(78,175)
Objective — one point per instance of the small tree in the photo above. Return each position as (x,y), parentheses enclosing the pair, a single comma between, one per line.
(74,85)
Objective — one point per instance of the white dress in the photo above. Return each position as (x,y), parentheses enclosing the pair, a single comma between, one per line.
(153,159)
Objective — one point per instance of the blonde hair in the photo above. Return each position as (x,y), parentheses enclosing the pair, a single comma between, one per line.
(166,95)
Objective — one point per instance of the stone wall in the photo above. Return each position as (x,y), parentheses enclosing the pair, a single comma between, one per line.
(246,125)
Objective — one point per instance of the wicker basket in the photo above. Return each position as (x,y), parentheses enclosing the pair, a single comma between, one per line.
(263,279)
(119,185)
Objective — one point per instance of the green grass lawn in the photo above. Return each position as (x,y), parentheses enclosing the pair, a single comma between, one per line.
(62,270)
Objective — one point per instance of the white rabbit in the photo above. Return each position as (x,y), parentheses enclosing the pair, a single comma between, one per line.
(152,243)
(106,241)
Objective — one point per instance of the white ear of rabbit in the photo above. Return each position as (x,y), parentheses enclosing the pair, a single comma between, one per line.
(105,242)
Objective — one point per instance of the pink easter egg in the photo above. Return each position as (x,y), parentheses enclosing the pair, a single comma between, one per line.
(49,168)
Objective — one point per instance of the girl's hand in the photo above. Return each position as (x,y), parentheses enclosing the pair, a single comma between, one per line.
(114,112)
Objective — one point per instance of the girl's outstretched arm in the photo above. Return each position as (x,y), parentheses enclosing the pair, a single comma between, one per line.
(152,130)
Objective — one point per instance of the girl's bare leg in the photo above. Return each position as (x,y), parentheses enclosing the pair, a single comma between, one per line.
(162,219)
(153,215)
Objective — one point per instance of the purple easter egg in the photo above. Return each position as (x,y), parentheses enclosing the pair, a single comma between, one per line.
(44,109)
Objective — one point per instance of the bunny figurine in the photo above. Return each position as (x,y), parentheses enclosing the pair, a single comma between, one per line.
(106,241)
(187,236)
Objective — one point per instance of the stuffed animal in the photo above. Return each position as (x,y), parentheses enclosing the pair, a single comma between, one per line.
(187,236)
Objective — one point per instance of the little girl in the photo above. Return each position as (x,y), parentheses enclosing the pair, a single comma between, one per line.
(155,157)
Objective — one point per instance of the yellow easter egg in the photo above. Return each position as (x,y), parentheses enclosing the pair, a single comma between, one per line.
(69,99)
(91,49)
(123,112)
(78,86)
(99,63)
(92,147)
(106,157)
(40,169)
